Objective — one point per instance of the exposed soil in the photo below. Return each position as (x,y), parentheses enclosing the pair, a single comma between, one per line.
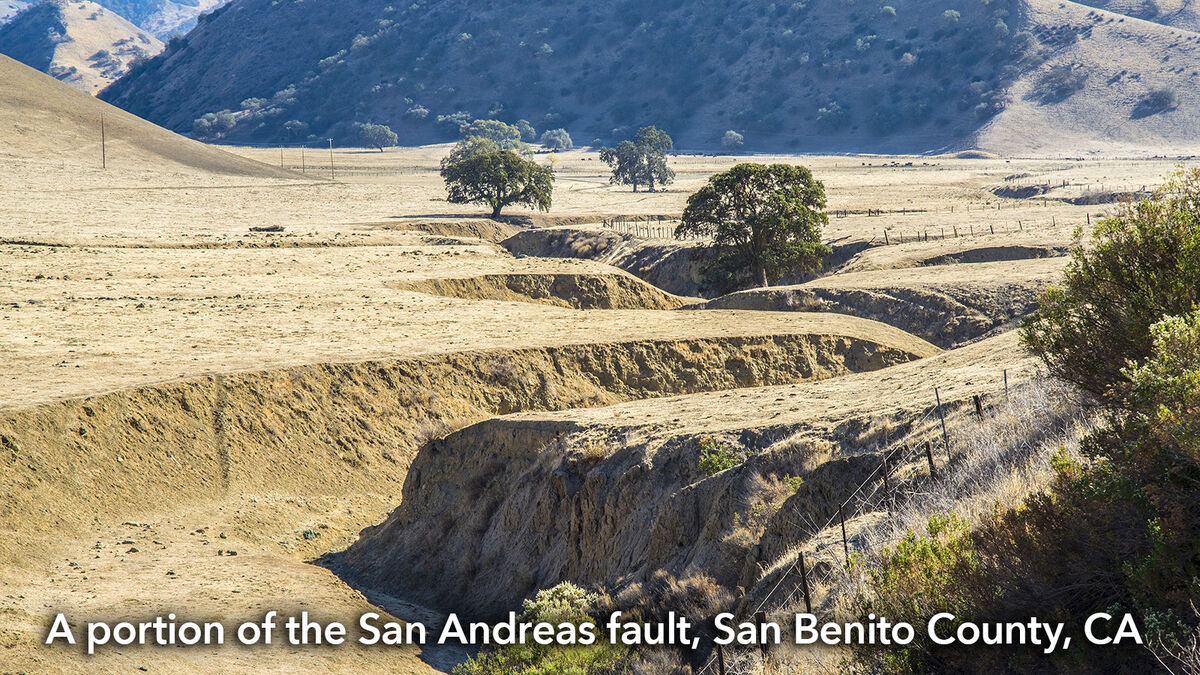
(608,291)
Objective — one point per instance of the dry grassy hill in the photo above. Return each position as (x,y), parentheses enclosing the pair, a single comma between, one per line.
(80,43)
(45,121)
(162,17)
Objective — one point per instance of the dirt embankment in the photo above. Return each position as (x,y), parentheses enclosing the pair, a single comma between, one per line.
(327,429)
(668,266)
(503,508)
(947,316)
(580,291)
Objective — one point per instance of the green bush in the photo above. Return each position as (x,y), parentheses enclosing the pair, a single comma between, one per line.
(565,603)
(716,457)
(1144,264)
(557,139)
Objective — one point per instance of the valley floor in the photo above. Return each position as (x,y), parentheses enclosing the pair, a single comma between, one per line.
(178,388)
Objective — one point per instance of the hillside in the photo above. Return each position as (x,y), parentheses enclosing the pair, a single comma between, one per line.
(10,8)
(44,121)
(1183,14)
(822,75)
(162,17)
(80,43)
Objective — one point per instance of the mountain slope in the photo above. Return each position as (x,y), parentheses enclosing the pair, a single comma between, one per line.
(1124,85)
(78,42)
(821,75)
(162,17)
(906,75)
(10,8)
(42,119)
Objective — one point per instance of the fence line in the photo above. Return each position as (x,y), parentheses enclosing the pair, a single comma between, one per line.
(864,505)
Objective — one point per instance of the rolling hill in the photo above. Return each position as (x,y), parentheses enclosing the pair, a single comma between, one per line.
(78,42)
(821,75)
(43,120)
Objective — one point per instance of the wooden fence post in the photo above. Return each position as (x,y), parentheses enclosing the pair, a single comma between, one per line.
(942,415)
(721,659)
(978,406)
(804,582)
(845,543)
(929,456)
(887,484)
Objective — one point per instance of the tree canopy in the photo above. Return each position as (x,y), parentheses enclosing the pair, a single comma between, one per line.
(468,148)
(765,222)
(499,179)
(506,136)
(641,161)
(377,136)
(557,139)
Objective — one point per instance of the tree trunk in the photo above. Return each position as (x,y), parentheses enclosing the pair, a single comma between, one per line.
(496,211)
(762,276)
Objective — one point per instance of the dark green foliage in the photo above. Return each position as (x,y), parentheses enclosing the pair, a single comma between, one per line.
(557,139)
(1156,101)
(499,179)
(376,136)
(1144,264)
(507,136)
(641,161)
(213,125)
(765,222)
(716,457)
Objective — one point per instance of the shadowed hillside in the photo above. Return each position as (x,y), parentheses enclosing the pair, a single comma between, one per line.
(818,75)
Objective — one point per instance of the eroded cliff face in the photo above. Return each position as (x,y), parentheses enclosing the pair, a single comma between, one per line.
(948,317)
(337,428)
(503,508)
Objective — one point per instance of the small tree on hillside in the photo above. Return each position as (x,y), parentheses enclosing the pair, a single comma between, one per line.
(732,140)
(528,133)
(499,179)
(557,139)
(765,222)
(376,136)
(507,136)
(641,161)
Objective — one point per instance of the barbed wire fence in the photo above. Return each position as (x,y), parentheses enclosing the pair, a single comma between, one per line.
(930,429)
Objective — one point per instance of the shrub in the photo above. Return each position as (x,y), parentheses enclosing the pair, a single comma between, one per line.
(1144,264)
(565,603)
(557,139)
(1156,101)
(716,457)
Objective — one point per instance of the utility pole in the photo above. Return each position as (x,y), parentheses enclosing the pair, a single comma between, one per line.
(281,157)
(331,159)
(103,145)
(303,167)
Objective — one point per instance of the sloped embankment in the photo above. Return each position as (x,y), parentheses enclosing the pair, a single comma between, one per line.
(947,316)
(580,291)
(335,428)
(666,265)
